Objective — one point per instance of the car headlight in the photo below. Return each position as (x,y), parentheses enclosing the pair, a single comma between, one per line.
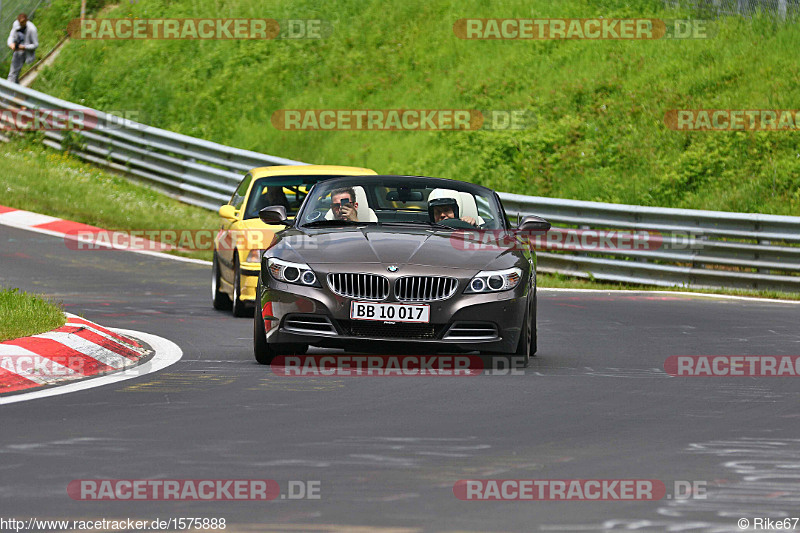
(297,273)
(494,281)
(254,256)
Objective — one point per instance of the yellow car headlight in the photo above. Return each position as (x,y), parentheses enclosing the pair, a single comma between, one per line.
(254,256)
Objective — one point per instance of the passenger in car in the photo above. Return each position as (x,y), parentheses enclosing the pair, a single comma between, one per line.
(442,208)
(344,205)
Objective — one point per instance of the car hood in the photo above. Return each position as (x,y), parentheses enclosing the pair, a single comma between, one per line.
(398,246)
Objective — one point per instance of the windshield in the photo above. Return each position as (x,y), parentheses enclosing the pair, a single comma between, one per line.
(288,191)
(413,201)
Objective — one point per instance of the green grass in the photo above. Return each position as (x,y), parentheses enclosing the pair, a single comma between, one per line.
(23,314)
(599,105)
(35,178)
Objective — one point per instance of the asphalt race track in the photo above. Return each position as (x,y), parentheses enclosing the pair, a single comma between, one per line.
(595,404)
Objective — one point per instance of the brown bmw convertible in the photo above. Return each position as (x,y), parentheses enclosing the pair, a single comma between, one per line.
(378,264)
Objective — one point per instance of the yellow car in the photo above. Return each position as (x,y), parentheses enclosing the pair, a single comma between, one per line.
(242,236)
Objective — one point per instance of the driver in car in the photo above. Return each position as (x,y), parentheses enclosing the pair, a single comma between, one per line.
(442,208)
(344,205)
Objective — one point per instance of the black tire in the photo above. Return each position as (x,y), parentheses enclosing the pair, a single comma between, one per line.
(238,307)
(264,351)
(526,341)
(219,299)
(261,348)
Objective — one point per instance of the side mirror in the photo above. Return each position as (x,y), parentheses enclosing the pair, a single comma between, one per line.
(227,211)
(533,223)
(274,214)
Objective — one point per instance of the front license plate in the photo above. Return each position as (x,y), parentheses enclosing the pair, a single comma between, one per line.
(390,312)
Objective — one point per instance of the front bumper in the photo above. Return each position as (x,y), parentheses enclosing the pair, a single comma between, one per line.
(464,322)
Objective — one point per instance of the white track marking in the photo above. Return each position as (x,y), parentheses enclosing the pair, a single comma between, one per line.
(86,347)
(26,218)
(101,333)
(162,255)
(166,353)
(12,356)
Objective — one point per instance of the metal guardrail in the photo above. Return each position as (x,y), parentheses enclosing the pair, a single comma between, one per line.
(690,248)
(694,248)
(195,171)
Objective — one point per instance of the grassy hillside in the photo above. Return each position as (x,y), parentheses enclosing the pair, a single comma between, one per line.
(599,105)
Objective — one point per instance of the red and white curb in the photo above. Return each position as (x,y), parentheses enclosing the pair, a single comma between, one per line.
(76,351)
(76,231)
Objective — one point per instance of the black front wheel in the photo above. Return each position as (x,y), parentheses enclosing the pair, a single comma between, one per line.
(264,351)
(526,347)
(264,354)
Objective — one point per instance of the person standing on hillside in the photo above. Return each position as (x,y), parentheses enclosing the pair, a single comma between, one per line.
(23,40)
